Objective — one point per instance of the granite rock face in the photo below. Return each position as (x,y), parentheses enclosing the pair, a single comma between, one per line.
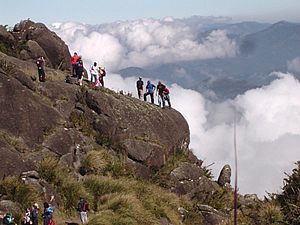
(42,118)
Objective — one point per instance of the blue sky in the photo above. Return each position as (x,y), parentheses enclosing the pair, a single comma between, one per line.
(98,12)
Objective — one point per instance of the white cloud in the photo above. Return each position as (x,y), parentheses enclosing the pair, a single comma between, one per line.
(142,42)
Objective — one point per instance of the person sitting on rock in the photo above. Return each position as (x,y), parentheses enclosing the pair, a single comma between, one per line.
(150,88)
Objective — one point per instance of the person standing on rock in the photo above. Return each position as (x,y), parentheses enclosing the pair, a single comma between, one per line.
(150,88)
(166,97)
(83,207)
(75,57)
(94,70)
(140,86)
(102,74)
(160,89)
(40,65)
(79,71)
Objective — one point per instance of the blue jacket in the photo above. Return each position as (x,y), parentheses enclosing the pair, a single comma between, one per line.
(150,88)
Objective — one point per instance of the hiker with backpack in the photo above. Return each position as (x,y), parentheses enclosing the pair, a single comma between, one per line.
(102,74)
(83,207)
(79,71)
(166,97)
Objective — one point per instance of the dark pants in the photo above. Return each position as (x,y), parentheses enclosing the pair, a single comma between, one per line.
(73,70)
(102,81)
(166,98)
(42,76)
(151,95)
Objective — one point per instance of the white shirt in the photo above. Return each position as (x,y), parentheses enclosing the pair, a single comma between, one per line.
(94,70)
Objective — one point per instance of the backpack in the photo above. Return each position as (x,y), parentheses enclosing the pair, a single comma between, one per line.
(85,206)
(68,79)
(51,222)
(103,72)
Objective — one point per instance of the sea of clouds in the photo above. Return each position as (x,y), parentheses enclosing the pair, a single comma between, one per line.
(268,118)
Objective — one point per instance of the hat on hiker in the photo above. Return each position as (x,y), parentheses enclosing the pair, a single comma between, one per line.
(36,205)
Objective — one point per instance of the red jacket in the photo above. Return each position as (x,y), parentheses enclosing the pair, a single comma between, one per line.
(74,59)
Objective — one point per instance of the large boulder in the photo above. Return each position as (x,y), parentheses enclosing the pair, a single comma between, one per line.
(7,206)
(25,116)
(224,177)
(57,52)
(32,51)
(210,215)
(189,180)
(12,161)
(5,37)
(41,186)
(124,117)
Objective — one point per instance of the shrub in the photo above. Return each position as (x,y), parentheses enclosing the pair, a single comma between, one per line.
(17,191)
(68,187)
(289,198)
(95,162)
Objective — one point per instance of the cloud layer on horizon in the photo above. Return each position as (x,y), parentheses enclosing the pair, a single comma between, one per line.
(143,42)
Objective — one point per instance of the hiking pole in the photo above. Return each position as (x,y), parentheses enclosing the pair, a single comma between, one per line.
(235,182)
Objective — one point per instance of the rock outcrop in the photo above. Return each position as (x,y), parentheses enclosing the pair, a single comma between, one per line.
(224,177)
(28,40)
(189,180)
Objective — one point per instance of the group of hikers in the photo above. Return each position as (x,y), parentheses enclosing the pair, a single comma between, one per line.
(97,73)
(31,215)
(97,78)
(162,91)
